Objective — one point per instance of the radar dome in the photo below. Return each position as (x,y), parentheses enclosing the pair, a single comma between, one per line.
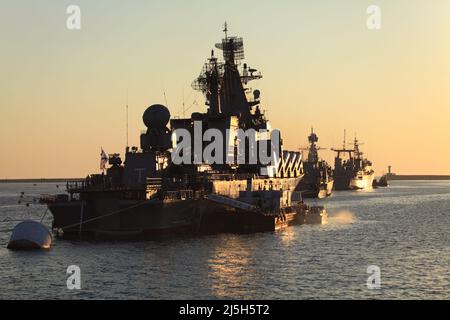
(156,116)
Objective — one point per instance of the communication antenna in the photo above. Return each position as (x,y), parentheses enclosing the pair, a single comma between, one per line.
(165,98)
(225,29)
(184,109)
(164,92)
(127,120)
(344,138)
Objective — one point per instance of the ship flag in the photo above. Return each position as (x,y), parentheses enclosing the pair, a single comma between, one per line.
(103,160)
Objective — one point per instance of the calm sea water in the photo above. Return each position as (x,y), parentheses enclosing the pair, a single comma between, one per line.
(403,229)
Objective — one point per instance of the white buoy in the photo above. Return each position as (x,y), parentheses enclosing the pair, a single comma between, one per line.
(30,235)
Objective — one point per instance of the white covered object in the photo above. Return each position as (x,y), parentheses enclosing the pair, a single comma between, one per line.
(30,235)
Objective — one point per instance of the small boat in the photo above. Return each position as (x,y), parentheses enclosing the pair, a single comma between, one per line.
(29,235)
(316,215)
(383,182)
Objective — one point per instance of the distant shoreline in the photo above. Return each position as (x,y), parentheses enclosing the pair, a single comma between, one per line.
(417,177)
(42,180)
(64,180)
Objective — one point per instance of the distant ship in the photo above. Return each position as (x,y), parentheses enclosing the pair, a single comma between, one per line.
(318,180)
(149,195)
(353,173)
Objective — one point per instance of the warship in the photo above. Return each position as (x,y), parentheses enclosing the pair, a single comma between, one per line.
(353,173)
(151,195)
(318,180)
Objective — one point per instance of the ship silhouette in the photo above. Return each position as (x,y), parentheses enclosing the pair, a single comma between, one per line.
(148,195)
(353,172)
(318,181)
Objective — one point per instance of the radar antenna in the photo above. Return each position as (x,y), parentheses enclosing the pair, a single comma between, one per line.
(223,83)
(232,47)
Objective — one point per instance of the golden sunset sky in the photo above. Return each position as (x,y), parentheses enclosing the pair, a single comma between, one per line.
(63,92)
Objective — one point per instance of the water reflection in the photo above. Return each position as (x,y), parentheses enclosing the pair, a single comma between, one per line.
(287,236)
(232,264)
(403,229)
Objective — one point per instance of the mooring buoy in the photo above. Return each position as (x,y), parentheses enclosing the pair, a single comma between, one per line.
(29,235)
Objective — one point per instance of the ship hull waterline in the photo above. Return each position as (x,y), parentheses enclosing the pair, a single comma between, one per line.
(157,219)
(362,183)
(357,183)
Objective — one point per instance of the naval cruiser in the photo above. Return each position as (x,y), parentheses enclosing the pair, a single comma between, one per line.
(149,195)
(318,180)
(353,173)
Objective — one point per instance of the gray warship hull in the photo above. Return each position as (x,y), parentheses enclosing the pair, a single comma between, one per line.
(161,220)
(341,182)
(319,192)
(354,173)
(363,182)
(105,216)
(132,219)
(318,181)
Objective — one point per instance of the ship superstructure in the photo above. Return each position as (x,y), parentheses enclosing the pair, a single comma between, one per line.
(351,170)
(318,180)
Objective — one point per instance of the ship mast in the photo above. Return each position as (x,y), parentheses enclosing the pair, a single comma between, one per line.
(312,154)
(222,83)
(344,149)
(356,144)
(225,30)
(344,145)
